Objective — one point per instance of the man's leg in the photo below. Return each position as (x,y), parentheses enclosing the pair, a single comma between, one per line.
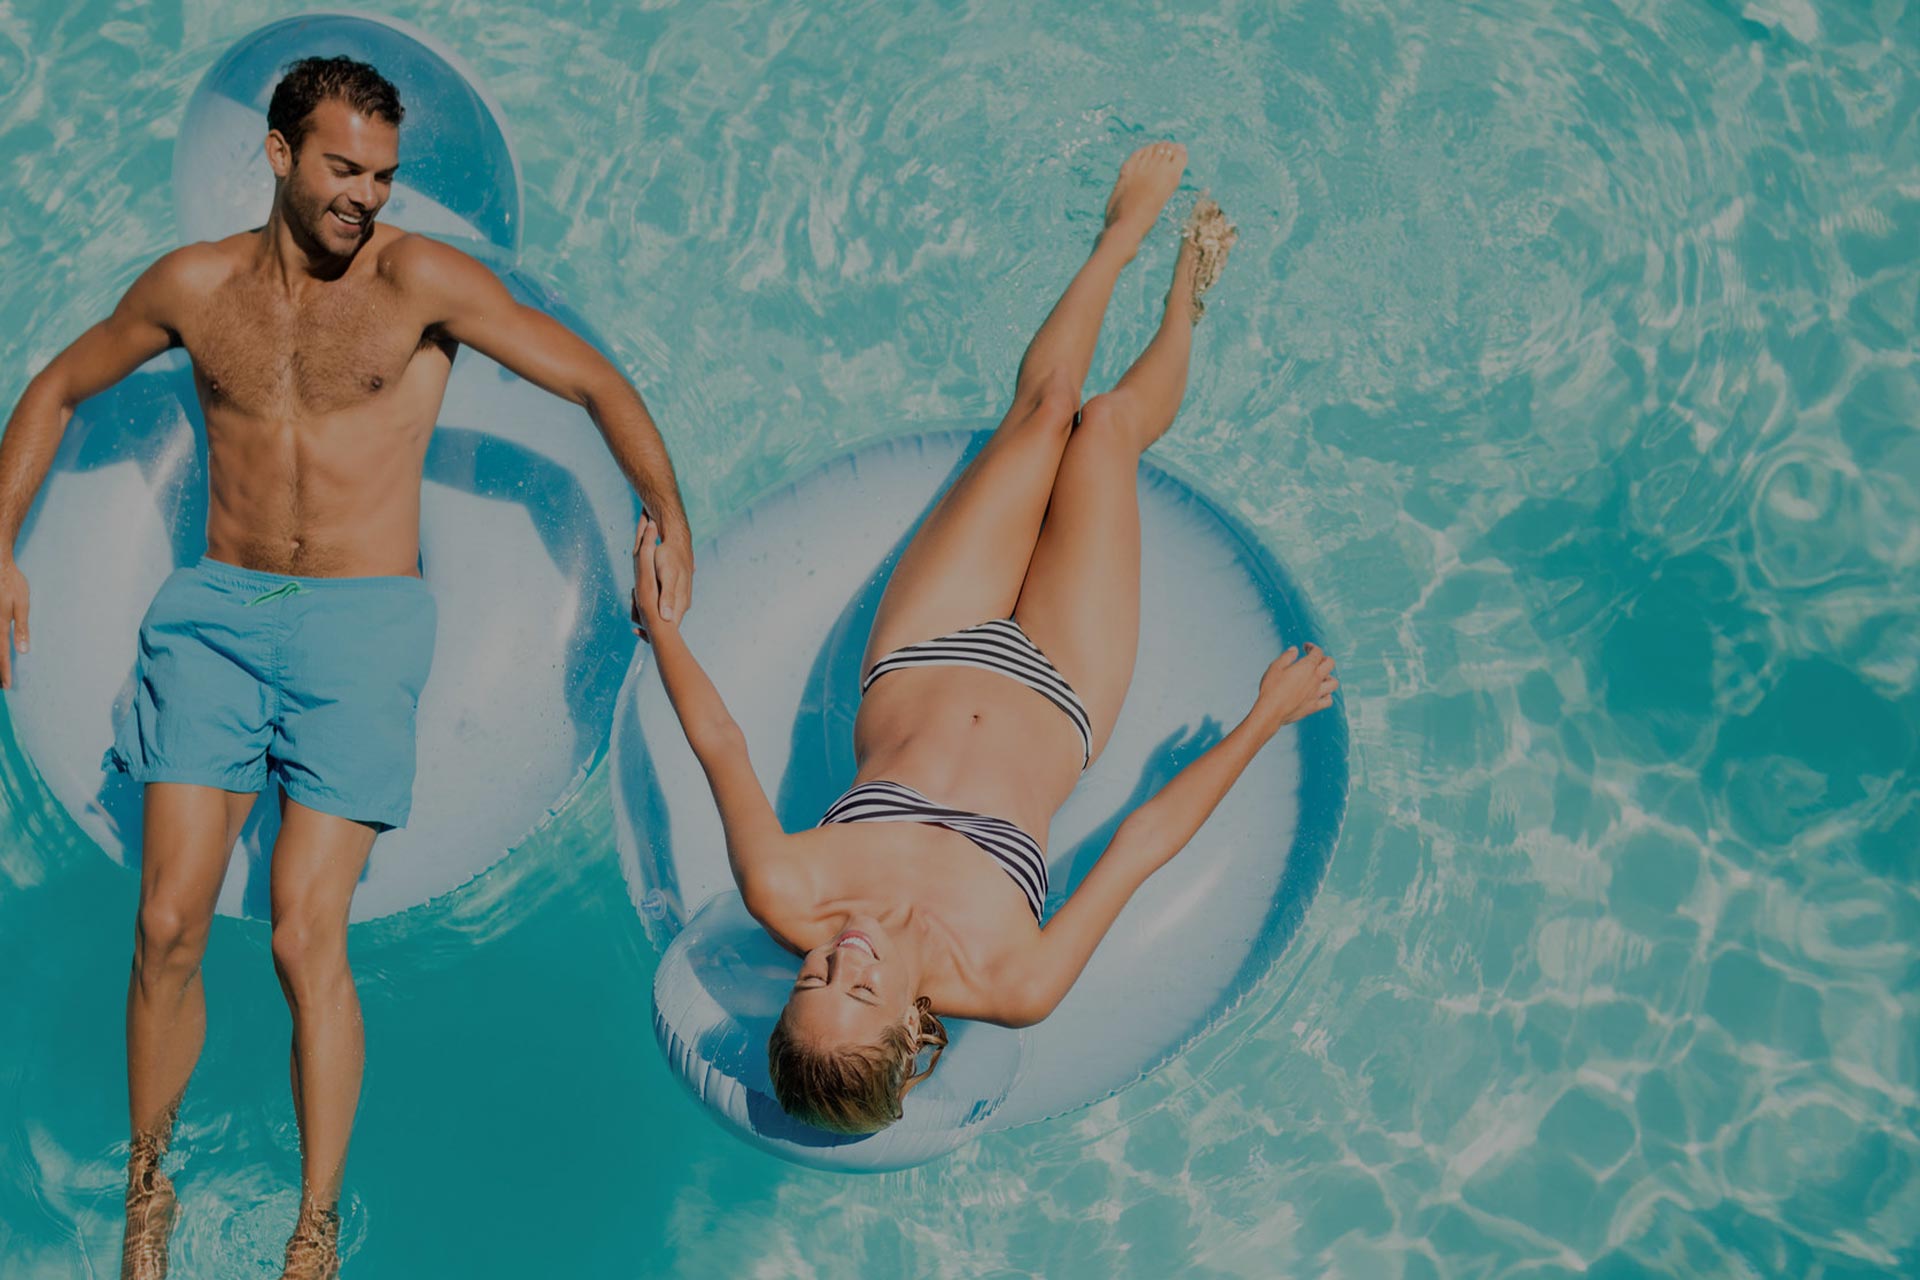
(316,865)
(187,840)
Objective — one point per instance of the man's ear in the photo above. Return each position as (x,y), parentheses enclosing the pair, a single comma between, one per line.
(279,154)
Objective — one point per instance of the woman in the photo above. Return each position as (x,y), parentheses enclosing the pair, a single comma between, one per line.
(998,661)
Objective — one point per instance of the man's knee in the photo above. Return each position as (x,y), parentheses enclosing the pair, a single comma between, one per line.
(170,937)
(308,953)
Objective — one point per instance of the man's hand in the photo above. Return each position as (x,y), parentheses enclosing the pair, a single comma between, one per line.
(13,617)
(673,568)
(649,594)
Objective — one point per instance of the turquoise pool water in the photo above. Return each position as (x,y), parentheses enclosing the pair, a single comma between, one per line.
(1569,361)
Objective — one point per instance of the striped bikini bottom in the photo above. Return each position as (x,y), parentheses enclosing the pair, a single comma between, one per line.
(1017,852)
(1000,646)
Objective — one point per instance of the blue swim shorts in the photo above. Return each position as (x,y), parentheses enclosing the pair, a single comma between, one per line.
(245,677)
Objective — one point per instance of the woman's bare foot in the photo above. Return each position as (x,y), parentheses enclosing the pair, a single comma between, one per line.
(313,1252)
(150,1213)
(1146,182)
(1205,242)
(1296,684)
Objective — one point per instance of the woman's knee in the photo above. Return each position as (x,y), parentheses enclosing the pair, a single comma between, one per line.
(1050,400)
(1108,422)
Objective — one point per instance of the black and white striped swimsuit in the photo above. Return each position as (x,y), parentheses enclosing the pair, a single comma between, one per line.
(999,646)
(1017,852)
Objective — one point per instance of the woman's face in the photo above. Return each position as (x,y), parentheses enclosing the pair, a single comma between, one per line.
(847,991)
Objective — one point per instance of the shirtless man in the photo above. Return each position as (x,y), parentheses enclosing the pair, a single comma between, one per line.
(295,652)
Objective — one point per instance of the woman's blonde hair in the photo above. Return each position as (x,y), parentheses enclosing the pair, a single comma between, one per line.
(854,1088)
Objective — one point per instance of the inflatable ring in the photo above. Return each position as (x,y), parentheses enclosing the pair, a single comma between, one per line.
(787,597)
(525,524)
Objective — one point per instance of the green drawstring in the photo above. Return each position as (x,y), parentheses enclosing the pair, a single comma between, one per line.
(286,589)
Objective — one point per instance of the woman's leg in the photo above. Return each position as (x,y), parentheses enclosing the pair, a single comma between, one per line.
(1064,346)
(1081,599)
(967,562)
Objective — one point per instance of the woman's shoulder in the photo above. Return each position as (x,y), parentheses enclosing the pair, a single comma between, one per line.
(993,988)
(789,888)
(782,891)
(987,953)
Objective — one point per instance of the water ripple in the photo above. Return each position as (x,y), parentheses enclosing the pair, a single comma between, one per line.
(1569,358)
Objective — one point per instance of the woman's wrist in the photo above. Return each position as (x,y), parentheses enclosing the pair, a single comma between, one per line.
(1261,723)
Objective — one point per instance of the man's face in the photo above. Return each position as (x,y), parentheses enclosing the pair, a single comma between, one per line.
(341,176)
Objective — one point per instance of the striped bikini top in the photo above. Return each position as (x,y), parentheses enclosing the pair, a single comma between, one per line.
(1017,852)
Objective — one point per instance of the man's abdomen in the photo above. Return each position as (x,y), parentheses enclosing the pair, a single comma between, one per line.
(338,497)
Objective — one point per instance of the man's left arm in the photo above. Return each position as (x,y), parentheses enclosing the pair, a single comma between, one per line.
(468,303)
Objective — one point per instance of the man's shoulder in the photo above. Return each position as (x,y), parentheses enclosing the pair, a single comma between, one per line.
(195,270)
(410,259)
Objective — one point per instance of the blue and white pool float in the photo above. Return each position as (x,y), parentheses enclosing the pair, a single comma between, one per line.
(787,595)
(526,524)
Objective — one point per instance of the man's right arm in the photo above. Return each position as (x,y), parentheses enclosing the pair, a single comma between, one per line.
(137,331)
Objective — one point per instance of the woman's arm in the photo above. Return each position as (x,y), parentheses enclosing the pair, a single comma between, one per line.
(754,836)
(1294,686)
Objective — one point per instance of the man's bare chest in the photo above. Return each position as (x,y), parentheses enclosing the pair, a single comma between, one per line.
(260,356)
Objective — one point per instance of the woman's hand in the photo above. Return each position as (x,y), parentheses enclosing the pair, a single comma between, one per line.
(647,615)
(1295,685)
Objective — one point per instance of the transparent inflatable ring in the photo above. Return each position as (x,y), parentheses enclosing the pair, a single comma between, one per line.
(807,565)
(519,489)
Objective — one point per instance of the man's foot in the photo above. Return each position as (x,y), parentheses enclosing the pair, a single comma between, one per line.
(150,1211)
(1204,243)
(1146,182)
(313,1252)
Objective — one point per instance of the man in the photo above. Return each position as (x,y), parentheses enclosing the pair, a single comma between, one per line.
(295,653)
